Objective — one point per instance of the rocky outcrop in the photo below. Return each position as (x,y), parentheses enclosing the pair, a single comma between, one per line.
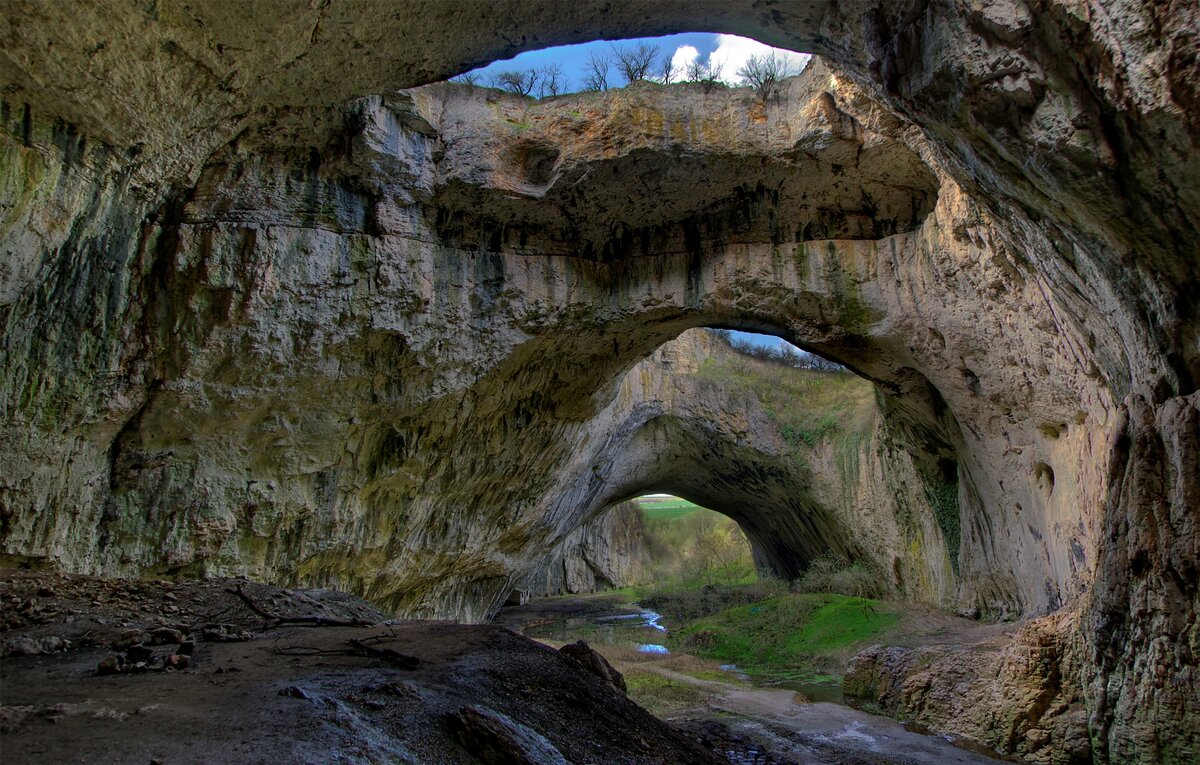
(249,327)
(1014,695)
(306,689)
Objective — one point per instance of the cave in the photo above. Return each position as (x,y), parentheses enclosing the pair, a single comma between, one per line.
(280,302)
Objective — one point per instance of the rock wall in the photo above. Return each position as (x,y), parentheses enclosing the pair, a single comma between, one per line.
(250,328)
(605,553)
(292,377)
(1016,694)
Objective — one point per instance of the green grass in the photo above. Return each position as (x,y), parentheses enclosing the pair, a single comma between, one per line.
(662,695)
(666,508)
(796,634)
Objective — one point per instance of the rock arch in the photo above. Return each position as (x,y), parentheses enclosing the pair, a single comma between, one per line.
(720,447)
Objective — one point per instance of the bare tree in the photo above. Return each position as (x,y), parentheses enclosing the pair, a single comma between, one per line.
(666,69)
(550,80)
(822,364)
(766,74)
(634,62)
(705,73)
(521,83)
(467,78)
(596,71)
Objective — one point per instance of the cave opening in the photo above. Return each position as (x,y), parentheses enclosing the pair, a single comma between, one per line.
(735,504)
(813,462)
(260,322)
(687,545)
(709,59)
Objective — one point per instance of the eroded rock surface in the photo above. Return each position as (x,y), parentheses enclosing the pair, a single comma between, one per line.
(417,692)
(604,553)
(1016,694)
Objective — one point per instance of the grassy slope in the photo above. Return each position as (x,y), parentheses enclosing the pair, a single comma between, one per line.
(792,634)
(666,508)
(807,406)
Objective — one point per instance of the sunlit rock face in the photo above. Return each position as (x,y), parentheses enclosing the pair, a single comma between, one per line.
(251,325)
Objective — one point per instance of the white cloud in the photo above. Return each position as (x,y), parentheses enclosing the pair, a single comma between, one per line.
(684,55)
(733,52)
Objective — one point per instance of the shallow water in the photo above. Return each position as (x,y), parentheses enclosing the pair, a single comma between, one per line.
(813,687)
(642,630)
(821,729)
(640,627)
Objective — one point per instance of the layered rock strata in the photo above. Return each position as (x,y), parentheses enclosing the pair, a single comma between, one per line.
(1017,695)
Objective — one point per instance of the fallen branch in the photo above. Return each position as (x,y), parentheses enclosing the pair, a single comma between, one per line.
(250,602)
(357,648)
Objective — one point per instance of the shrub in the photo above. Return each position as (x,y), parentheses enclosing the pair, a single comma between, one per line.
(857,579)
(705,73)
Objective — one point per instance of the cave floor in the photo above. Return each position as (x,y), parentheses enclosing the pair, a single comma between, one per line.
(277,675)
(739,718)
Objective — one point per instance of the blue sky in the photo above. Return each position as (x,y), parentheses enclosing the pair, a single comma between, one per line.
(730,51)
(766,341)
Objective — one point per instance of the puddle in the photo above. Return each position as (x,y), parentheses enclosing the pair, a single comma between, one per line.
(639,629)
(816,690)
(653,648)
(644,618)
(961,742)
(642,630)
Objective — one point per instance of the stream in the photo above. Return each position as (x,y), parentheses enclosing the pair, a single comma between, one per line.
(643,630)
(819,731)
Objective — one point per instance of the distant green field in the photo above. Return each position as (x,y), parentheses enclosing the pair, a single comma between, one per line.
(666,508)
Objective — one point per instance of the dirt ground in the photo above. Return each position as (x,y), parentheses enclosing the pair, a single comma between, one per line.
(260,690)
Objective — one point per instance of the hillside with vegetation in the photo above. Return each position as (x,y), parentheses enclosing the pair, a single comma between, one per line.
(809,399)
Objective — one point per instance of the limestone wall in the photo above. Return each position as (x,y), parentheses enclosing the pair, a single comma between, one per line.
(252,326)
